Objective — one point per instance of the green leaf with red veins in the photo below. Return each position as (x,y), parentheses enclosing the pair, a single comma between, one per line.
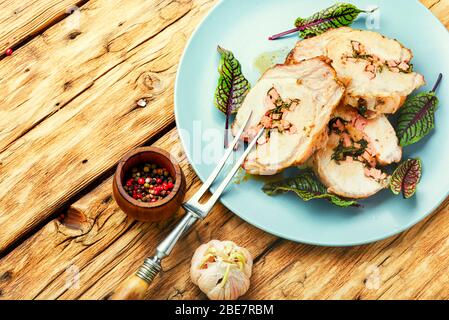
(232,85)
(336,16)
(307,187)
(417,116)
(406,177)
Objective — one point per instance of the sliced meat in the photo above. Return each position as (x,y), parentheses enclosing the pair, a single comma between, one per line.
(378,131)
(294,103)
(352,168)
(377,71)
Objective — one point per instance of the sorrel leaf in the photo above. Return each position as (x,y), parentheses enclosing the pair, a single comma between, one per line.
(417,117)
(336,16)
(307,187)
(406,177)
(232,86)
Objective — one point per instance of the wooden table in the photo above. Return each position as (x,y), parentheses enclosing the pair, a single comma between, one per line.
(68,112)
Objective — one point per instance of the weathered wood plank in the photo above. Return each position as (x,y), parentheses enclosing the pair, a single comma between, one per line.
(107,247)
(97,239)
(49,72)
(21,20)
(440,9)
(409,266)
(88,134)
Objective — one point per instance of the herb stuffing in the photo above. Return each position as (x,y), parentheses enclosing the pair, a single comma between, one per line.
(376,64)
(354,151)
(353,145)
(278,109)
(275,118)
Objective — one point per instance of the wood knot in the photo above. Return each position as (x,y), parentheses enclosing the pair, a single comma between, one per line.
(151,82)
(6,276)
(73,35)
(74,219)
(67,85)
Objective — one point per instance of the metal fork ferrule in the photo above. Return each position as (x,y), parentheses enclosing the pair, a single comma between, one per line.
(150,268)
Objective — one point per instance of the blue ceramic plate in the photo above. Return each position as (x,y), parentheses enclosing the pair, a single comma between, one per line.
(243,27)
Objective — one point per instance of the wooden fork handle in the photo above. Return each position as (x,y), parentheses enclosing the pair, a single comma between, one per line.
(136,286)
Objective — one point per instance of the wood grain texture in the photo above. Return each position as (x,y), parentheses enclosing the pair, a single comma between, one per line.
(440,8)
(22,20)
(48,73)
(75,111)
(94,246)
(97,240)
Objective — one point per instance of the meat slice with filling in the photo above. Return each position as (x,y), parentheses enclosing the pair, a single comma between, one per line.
(351,163)
(377,71)
(294,104)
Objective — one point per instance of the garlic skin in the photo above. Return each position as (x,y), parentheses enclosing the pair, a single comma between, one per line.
(221,269)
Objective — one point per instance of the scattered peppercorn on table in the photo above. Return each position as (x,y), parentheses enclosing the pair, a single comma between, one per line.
(82,82)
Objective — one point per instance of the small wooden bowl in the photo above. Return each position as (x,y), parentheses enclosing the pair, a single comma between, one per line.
(146,211)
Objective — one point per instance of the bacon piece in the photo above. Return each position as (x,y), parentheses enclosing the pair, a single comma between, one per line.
(375,173)
(346,140)
(369,158)
(395,70)
(356,46)
(359,122)
(404,66)
(293,130)
(392,63)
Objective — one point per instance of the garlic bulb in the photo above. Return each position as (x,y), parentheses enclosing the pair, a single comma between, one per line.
(221,269)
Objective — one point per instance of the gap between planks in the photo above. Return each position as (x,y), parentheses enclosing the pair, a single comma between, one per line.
(181,290)
(108,248)
(141,60)
(82,193)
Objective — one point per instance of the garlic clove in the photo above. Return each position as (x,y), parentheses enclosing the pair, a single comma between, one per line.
(195,270)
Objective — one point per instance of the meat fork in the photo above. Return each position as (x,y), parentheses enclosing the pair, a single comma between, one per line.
(136,286)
